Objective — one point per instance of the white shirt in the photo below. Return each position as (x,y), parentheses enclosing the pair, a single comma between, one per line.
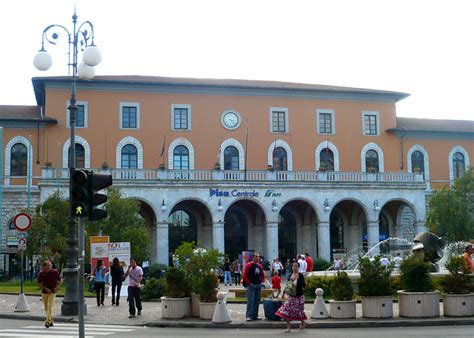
(397,260)
(384,261)
(302,265)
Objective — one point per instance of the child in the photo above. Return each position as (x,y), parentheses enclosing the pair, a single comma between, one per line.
(276,283)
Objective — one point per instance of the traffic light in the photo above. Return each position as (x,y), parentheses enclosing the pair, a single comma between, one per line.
(79,185)
(97,182)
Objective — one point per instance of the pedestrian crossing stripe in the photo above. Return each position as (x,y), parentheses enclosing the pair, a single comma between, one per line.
(66,330)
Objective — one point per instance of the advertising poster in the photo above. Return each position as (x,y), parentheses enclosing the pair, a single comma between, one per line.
(121,250)
(247,257)
(100,250)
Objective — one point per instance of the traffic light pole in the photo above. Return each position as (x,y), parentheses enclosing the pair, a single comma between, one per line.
(82,308)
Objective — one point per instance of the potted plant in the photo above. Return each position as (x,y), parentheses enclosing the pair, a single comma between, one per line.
(176,303)
(418,297)
(342,305)
(374,287)
(207,288)
(196,262)
(458,287)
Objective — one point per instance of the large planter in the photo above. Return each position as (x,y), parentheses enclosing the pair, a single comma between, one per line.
(458,305)
(175,308)
(195,305)
(377,307)
(206,310)
(418,304)
(342,309)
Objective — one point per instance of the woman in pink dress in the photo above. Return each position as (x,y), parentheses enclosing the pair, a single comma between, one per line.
(293,309)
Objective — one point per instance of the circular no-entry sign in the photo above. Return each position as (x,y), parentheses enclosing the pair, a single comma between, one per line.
(22,222)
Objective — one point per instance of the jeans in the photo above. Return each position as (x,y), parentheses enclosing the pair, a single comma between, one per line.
(253,300)
(134,297)
(118,286)
(227,278)
(100,292)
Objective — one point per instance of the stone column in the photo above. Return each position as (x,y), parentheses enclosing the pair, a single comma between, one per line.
(162,243)
(218,240)
(373,234)
(324,240)
(354,238)
(271,231)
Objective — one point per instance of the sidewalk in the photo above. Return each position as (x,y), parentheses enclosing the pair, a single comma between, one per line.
(151,316)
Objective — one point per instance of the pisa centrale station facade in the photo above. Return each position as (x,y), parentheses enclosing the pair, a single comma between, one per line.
(282,168)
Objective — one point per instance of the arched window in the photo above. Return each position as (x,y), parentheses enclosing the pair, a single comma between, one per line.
(280,159)
(129,157)
(458,165)
(181,158)
(417,162)
(80,156)
(326,157)
(18,160)
(231,158)
(372,161)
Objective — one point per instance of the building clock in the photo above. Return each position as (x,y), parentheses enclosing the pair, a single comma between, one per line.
(230,119)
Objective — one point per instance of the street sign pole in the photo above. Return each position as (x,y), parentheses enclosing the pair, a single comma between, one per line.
(22,222)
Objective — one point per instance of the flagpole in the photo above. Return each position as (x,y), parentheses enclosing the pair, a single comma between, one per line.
(246,152)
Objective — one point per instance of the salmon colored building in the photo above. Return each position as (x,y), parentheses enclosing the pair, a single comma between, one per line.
(282,168)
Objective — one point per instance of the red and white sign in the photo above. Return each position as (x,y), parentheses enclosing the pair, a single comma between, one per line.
(22,243)
(22,222)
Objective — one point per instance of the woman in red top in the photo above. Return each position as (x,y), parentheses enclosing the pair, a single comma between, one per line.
(276,282)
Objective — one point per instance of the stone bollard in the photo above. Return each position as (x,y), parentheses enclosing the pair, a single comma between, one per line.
(319,310)
(221,313)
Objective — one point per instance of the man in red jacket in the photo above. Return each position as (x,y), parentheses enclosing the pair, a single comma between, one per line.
(254,277)
(309,261)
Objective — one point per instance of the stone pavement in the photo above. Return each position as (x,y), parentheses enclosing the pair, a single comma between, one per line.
(151,316)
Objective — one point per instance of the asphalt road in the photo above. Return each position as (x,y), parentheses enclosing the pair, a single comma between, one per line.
(21,328)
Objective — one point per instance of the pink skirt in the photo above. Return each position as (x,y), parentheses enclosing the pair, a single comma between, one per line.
(293,309)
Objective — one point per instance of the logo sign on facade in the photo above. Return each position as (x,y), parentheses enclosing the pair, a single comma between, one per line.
(233,193)
(22,222)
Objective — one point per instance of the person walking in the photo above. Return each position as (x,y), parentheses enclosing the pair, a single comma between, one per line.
(254,277)
(293,308)
(277,266)
(302,263)
(134,293)
(309,261)
(99,282)
(116,271)
(237,272)
(49,281)
(227,276)
(468,251)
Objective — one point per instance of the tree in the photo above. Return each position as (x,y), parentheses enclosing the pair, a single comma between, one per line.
(123,224)
(47,235)
(451,210)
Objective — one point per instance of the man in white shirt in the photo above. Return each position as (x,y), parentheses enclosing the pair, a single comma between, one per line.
(135,274)
(397,260)
(302,265)
(384,261)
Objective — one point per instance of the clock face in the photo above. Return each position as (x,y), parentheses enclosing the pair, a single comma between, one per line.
(231,120)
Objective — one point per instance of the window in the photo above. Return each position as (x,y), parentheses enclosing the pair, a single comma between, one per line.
(181,117)
(325,118)
(280,159)
(371,123)
(417,162)
(458,165)
(372,161)
(129,115)
(18,160)
(181,158)
(129,157)
(80,156)
(81,115)
(326,157)
(231,158)
(279,120)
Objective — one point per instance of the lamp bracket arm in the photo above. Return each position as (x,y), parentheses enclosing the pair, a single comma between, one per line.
(51,36)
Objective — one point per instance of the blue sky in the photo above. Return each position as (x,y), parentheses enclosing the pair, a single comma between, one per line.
(425,48)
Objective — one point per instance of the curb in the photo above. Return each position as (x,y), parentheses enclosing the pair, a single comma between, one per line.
(266,324)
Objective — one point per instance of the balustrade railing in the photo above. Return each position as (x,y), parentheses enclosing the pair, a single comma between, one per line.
(241,175)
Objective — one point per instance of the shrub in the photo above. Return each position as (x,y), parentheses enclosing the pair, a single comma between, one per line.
(207,287)
(176,284)
(415,276)
(314,282)
(320,264)
(153,289)
(4,276)
(341,287)
(395,285)
(157,270)
(374,278)
(460,279)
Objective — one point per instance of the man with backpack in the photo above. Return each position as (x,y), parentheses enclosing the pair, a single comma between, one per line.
(254,277)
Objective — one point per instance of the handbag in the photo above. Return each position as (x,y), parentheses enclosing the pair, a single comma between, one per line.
(290,289)
(92,285)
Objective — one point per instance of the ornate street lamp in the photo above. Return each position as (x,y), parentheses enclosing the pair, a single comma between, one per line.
(80,39)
